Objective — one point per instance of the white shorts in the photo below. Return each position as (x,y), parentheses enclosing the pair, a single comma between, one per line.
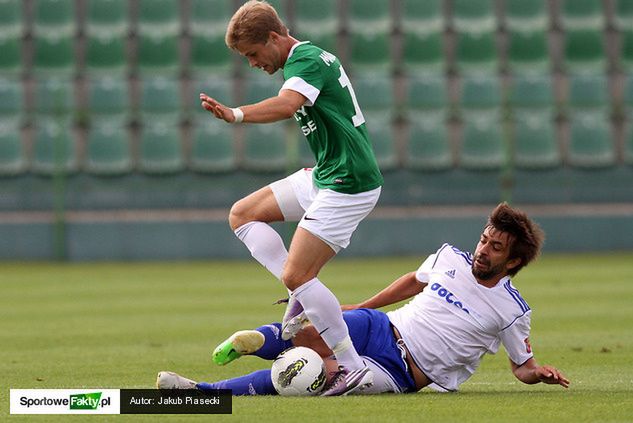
(332,216)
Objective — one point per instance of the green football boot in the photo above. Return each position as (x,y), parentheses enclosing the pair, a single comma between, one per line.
(240,343)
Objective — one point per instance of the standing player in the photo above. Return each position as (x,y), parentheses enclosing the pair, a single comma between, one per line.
(463,307)
(329,201)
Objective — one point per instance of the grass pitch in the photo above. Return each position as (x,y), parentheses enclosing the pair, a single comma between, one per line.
(116,325)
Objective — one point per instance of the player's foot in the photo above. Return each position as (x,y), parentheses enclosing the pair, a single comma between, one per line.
(171,380)
(293,319)
(293,326)
(347,382)
(238,344)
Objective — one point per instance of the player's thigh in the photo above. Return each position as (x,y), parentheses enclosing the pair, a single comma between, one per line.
(259,206)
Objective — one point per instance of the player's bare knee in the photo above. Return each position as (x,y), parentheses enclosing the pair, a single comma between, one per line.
(238,215)
(294,278)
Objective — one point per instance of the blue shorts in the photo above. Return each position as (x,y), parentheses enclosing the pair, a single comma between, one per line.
(373,337)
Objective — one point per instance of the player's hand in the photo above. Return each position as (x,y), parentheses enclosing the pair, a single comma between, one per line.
(219,110)
(552,376)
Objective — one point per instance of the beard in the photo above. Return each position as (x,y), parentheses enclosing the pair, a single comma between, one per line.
(488,272)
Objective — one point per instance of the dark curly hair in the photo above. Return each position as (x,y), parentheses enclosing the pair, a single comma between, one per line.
(527,236)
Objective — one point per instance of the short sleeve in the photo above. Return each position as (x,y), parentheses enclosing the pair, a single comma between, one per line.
(515,339)
(304,76)
(423,274)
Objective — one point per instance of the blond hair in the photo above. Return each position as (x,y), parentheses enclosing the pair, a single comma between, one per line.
(252,23)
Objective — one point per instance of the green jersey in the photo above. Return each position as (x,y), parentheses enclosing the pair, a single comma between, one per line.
(331,121)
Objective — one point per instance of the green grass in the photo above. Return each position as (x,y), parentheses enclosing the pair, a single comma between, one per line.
(115,325)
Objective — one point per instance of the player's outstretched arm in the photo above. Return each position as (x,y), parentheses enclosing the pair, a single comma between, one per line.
(273,109)
(406,286)
(530,372)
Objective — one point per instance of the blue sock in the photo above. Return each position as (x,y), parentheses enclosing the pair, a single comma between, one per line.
(256,383)
(273,345)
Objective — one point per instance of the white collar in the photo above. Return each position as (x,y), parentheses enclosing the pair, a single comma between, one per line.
(294,46)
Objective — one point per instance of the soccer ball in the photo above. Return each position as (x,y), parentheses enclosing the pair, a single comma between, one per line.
(298,371)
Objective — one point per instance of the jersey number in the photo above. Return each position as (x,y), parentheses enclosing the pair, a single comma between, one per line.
(358,119)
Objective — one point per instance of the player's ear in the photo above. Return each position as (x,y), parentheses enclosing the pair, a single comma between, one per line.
(273,37)
(512,263)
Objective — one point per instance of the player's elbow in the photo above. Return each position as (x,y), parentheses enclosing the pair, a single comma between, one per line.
(287,111)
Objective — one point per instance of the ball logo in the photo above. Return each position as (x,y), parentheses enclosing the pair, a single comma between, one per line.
(286,376)
(318,383)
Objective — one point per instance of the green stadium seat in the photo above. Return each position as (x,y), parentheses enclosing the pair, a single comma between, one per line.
(417,15)
(265,148)
(160,149)
(528,52)
(54,53)
(159,17)
(305,157)
(11,101)
(474,15)
(535,142)
(280,7)
(483,146)
(11,21)
(55,97)
(369,16)
(12,154)
(626,50)
(380,133)
(423,52)
(582,14)
(583,50)
(105,54)
(476,52)
(480,92)
(213,147)
(108,149)
(161,100)
(588,91)
(426,95)
(521,15)
(54,16)
(107,17)
(158,54)
(325,40)
(54,147)
(210,16)
(428,146)
(11,57)
(623,16)
(591,144)
(531,93)
(108,99)
(374,93)
(209,54)
(260,87)
(219,88)
(315,18)
(370,52)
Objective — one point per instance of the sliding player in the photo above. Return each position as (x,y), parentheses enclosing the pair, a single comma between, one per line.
(463,307)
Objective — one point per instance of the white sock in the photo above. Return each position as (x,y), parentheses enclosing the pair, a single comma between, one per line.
(324,312)
(265,245)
